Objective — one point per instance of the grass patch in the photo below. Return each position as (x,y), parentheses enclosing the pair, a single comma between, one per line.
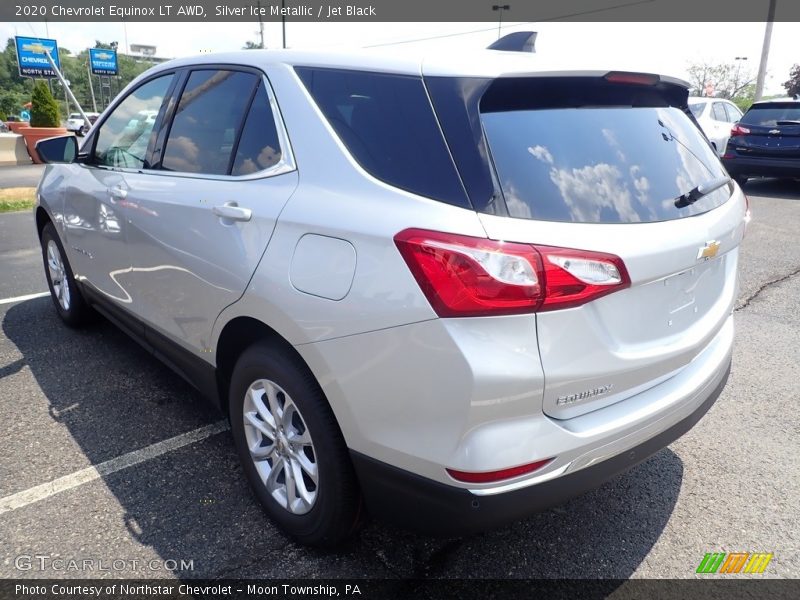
(20,198)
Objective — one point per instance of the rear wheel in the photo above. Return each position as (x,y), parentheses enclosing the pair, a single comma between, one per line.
(69,303)
(291,449)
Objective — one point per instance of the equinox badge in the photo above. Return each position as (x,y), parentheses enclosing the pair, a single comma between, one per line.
(709,250)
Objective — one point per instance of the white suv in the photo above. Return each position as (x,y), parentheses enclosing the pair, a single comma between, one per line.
(457,290)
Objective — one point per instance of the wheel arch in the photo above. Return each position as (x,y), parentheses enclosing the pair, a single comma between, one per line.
(42,219)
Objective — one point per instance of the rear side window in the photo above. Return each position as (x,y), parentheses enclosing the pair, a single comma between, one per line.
(768,115)
(207,121)
(387,124)
(719,112)
(591,163)
(697,108)
(259,147)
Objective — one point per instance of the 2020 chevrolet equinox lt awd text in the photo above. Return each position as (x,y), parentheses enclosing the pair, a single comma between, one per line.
(455,291)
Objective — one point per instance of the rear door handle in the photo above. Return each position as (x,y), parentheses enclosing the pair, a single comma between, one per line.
(117,192)
(233,212)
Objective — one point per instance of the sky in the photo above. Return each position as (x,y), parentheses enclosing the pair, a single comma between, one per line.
(666,48)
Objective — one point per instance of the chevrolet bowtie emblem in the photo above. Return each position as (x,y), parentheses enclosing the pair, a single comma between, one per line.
(709,250)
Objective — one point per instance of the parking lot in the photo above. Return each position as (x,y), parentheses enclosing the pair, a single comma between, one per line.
(72,400)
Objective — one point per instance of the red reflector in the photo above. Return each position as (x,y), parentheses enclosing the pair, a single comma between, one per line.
(738,130)
(491,476)
(635,78)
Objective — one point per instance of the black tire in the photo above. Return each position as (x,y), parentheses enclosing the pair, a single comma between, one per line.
(76,312)
(740,179)
(336,512)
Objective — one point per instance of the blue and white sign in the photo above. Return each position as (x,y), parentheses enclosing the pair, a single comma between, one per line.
(103,62)
(32,59)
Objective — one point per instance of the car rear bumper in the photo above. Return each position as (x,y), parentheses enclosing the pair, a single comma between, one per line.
(421,504)
(761,166)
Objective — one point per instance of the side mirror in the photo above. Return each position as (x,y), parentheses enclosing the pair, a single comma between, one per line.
(62,149)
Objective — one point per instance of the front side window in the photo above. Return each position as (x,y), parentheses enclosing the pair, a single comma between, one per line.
(719,112)
(733,113)
(124,136)
(207,121)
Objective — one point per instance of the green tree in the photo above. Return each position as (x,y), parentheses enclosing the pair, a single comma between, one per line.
(729,80)
(793,85)
(248,45)
(44,108)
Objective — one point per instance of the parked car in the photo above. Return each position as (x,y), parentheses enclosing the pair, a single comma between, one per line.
(76,123)
(766,142)
(458,291)
(715,116)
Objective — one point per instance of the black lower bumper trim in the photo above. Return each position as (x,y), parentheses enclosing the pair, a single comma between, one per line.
(427,506)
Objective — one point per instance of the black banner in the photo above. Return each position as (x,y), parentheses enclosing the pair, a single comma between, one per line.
(710,588)
(398,10)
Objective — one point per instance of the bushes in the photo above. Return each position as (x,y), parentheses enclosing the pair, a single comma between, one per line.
(44,108)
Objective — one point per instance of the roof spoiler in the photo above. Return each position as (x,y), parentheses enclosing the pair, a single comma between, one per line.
(519,41)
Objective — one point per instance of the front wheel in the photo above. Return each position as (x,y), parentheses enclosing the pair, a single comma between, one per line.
(69,303)
(291,449)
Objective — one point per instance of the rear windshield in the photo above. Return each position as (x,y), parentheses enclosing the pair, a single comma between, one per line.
(600,164)
(768,115)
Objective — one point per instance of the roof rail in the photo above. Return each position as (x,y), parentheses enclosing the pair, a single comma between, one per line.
(519,41)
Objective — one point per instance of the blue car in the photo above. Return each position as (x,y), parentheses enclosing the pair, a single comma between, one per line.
(766,141)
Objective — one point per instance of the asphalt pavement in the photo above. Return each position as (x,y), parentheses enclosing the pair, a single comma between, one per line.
(73,399)
(21,176)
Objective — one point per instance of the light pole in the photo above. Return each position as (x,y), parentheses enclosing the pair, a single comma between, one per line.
(738,60)
(762,66)
(283,21)
(500,8)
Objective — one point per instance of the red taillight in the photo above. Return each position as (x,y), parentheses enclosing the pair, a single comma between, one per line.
(464,276)
(635,78)
(575,277)
(737,130)
(492,476)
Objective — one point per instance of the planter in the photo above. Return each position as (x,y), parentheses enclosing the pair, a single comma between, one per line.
(15,126)
(34,134)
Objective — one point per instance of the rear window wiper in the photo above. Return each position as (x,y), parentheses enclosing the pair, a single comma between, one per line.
(788,122)
(701,190)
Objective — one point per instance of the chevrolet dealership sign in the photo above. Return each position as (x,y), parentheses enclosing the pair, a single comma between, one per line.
(32,59)
(103,62)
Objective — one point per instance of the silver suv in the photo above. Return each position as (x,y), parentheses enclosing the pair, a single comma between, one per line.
(456,291)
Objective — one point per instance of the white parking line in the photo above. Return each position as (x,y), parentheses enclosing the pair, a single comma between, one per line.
(73,480)
(23,298)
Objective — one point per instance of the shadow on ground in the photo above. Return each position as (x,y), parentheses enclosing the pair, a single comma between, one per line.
(786,189)
(193,503)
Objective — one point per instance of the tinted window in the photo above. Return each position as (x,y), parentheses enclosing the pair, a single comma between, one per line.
(719,112)
(601,164)
(259,147)
(387,124)
(125,135)
(207,122)
(768,115)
